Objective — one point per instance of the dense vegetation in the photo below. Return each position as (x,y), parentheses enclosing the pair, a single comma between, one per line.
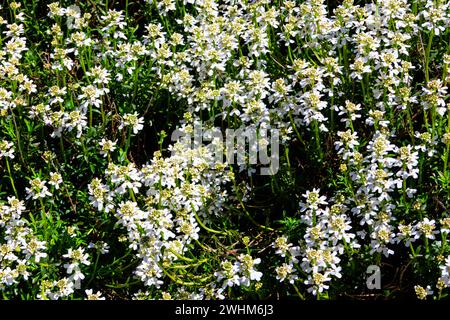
(97,201)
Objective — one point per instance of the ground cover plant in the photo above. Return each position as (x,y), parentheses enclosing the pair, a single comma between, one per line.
(99,201)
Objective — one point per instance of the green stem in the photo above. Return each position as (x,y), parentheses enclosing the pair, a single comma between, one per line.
(412,250)
(127,143)
(250,217)
(205,227)
(61,143)
(95,268)
(295,128)
(447,148)
(298,292)
(427,56)
(10,177)
(317,138)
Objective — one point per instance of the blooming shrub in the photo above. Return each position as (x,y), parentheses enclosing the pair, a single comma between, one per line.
(99,201)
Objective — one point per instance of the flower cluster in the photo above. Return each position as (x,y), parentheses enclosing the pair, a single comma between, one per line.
(100,204)
(161,206)
(20,249)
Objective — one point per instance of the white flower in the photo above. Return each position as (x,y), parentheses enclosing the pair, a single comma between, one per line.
(313,200)
(55,179)
(286,272)
(91,96)
(37,189)
(282,246)
(133,120)
(229,274)
(6,149)
(93,296)
(427,228)
(422,293)
(317,282)
(108,146)
(246,265)
(77,257)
